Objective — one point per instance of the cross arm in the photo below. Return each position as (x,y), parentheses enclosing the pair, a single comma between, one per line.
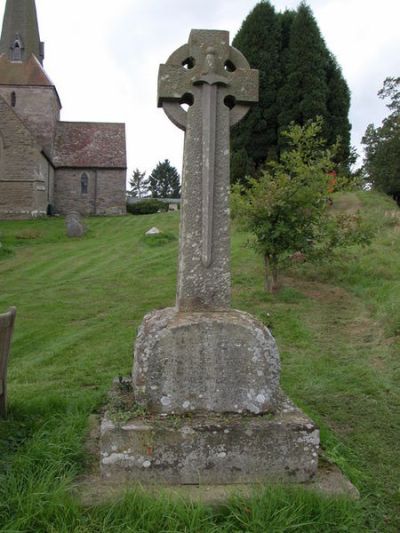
(173,83)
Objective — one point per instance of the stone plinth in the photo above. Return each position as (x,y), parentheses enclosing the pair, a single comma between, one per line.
(211,449)
(221,362)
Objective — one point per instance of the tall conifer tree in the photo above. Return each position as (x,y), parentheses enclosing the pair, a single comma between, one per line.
(254,139)
(304,94)
(299,80)
(338,107)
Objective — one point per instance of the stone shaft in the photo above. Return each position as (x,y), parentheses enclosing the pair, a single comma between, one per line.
(204,281)
(218,84)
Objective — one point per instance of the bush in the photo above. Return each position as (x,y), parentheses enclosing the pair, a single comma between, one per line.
(147,207)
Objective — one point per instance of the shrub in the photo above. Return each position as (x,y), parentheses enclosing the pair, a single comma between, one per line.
(147,207)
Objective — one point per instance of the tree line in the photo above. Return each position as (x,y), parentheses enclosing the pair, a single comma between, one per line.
(163,182)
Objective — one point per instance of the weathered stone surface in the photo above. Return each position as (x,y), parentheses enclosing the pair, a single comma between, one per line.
(211,449)
(218,362)
(105,195)
(204,264)
(201,358)
(74,226)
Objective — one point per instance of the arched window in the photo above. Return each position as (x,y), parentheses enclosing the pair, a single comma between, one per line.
(84,183)
(13,99)
(16,48)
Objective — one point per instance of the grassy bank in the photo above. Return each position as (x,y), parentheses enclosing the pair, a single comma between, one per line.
(79,305)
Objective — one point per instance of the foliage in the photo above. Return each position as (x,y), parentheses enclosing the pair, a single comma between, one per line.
(299,80)
(382,145)
(259,39)
(139,186)
(164,181)
(287,207)
(146,206)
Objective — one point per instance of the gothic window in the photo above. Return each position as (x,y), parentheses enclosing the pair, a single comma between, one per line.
(16,51)
(84,183)
(13,99)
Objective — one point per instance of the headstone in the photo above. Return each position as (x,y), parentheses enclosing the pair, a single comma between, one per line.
(74,225)
(202,358)
(7,321)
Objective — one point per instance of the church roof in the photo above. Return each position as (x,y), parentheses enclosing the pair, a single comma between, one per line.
(20,23)
(90,144)
(29,72)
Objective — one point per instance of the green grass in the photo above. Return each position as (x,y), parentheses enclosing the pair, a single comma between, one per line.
(80,303)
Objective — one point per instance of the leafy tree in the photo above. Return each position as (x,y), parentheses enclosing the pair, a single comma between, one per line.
(287,208)
(164,181)
(138,183)
(382,144)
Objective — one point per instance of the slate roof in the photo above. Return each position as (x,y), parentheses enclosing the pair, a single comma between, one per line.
(90,144)
(29,72)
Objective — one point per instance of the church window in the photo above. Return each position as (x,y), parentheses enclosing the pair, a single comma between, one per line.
(16,51)
(84,183)
(13,99)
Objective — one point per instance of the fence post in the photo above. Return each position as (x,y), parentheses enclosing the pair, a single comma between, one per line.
(7,321)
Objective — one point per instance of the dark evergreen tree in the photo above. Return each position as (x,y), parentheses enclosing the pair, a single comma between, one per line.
(164,181)
(338,107)
(299,80)
(138,184)
(304,93)
(259,39)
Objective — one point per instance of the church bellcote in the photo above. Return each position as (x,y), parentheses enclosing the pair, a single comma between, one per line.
(20,34)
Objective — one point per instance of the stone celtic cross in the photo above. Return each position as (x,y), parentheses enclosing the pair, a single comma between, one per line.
(216,82)
(201,358)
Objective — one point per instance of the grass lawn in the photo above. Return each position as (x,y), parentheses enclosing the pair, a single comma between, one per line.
(79,303)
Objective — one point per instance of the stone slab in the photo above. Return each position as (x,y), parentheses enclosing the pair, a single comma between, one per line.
(94,490)
(220,362)
(207,449)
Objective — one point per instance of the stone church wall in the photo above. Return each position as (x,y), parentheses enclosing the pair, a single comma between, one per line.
(105,193)
(111,192)
(39,108)
(23,193)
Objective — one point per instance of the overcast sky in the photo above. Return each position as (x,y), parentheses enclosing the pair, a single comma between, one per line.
(103,56)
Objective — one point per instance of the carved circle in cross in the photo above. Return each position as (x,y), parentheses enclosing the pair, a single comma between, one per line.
(223,73)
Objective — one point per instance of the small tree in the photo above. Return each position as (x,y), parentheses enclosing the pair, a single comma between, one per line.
(287,208)
(382,145)
(164,181)
(139,185)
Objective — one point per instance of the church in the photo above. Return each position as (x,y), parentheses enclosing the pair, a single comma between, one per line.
(48,166)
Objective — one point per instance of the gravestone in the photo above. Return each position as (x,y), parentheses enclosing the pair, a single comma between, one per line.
(74,225)
(206,375)
(7,321)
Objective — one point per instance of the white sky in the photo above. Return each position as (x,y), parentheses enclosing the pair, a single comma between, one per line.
(104,55)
